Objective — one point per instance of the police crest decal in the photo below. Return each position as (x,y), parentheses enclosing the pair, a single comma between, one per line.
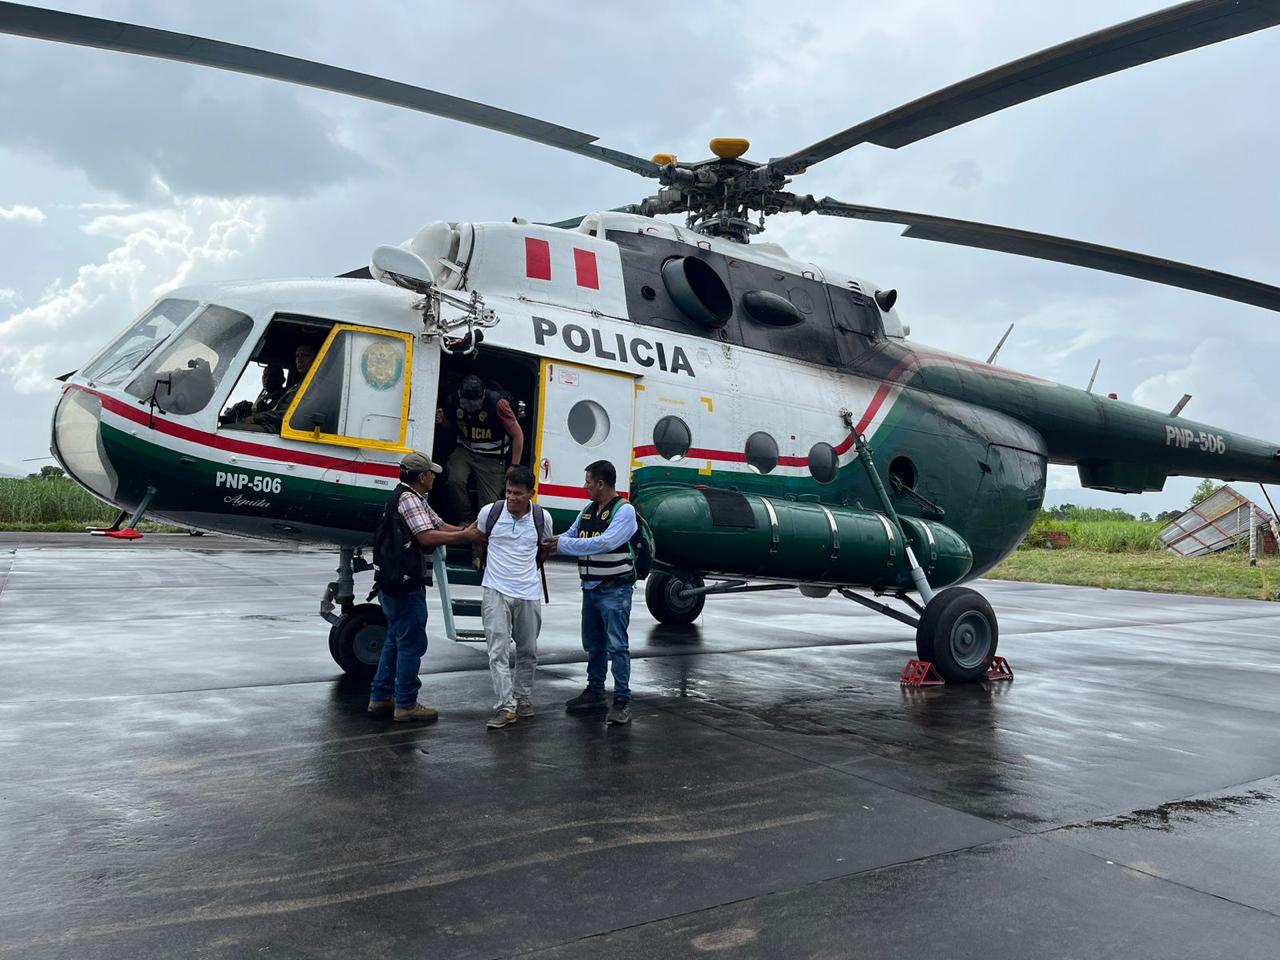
(382,364)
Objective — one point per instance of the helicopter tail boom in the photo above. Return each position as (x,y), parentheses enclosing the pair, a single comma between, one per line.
(1126,448)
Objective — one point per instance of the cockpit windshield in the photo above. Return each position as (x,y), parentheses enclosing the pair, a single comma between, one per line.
(137,343)
(184,376)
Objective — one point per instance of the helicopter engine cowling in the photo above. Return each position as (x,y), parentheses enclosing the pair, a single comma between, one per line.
(716,531)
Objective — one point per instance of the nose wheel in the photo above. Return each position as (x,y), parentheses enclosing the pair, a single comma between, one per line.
(958,634)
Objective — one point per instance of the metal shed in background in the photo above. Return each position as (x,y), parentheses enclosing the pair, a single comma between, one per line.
(1216,523)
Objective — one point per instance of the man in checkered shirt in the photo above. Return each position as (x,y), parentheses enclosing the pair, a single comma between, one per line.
(396,684)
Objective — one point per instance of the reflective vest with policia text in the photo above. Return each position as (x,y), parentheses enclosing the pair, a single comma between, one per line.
(481,432)
(618,565)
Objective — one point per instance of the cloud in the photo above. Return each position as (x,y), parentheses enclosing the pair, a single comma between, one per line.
(157,249)
(1223,391)
(1061,477)
(126,121)
(22,214)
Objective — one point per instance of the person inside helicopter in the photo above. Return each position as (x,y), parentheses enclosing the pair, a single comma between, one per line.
(273,386)
(489,437)
(270,418)
(509,382)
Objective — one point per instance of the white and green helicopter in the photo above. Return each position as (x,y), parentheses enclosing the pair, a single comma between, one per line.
(772,422)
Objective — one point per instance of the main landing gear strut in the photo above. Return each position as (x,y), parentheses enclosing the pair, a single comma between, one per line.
(357,631)
(956,630)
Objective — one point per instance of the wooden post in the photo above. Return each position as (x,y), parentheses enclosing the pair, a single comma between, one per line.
(1253,535)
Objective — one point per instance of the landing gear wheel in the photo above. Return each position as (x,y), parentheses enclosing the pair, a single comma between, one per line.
(662,597)
(958,634)
(355,641)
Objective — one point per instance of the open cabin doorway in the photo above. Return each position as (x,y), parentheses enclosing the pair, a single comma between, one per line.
(510,374)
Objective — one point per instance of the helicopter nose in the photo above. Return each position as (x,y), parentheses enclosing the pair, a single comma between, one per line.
(77,443)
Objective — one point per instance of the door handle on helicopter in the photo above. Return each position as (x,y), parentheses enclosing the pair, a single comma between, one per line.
(544,467)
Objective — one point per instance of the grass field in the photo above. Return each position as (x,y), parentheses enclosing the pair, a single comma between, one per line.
(1106,536)
(1219,575)
(54,504)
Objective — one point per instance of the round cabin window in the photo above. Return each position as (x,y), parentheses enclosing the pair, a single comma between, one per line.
(903,471)
(672,438)
(762,452)
(588,423)
(823,462)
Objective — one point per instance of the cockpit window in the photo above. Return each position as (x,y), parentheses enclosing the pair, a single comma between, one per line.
(356,393)
(133,346)
(185,375)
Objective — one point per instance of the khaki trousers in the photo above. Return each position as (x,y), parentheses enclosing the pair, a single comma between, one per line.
(507,619)
(490,474)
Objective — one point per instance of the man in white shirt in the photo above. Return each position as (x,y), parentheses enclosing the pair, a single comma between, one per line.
(512,604)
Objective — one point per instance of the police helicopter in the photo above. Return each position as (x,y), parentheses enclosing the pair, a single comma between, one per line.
(780,428)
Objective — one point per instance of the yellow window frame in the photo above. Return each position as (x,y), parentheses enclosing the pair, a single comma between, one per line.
(342,440)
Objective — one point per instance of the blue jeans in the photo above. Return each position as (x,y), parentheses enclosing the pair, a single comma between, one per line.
(606,614)
(402,652)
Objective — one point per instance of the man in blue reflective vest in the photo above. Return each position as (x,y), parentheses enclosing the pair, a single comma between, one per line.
(600,539)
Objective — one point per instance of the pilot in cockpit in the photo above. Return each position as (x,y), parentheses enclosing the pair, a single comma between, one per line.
(272,389)
(271,417)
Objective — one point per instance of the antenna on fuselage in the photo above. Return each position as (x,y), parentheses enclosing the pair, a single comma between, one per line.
(1177,407)
(992,358)
(1093,376)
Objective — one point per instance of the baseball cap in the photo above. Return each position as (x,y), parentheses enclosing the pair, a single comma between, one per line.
(416,462)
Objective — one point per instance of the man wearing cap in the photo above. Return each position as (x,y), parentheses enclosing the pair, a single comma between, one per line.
(488,432)
(396,684)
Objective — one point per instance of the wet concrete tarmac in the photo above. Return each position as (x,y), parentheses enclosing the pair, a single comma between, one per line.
(183,771)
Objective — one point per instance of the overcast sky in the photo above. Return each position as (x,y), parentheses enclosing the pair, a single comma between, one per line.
(121,177)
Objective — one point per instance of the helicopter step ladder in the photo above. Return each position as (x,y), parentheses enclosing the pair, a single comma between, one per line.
(447,575)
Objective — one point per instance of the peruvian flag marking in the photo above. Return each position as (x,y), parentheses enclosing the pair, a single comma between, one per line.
(537,259)
(584,262)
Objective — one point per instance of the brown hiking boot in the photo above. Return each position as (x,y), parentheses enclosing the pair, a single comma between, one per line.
(503,718)
(524,707)
(416,712)
(379,707)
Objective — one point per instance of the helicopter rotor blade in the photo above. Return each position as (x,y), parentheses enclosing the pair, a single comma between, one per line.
(1161,34)
(1042,246)
(115,35)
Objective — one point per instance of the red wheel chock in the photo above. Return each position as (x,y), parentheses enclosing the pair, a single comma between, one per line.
(128,533)
(920,673)
(1000,670)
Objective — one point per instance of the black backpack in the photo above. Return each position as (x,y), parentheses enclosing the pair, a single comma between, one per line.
(396,555)
(641,544)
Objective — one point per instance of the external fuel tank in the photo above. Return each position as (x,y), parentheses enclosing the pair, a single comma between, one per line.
(707,530)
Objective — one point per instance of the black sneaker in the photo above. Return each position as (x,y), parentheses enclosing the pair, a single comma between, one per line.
(588,699)
(619,713)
